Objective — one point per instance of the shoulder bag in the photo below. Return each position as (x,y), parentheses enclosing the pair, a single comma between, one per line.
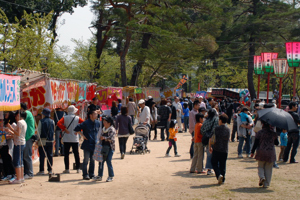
(63,133)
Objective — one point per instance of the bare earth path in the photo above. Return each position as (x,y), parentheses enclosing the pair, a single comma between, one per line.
(152,176)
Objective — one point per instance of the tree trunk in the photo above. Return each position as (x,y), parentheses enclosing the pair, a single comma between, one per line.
(251,66)
(123,54)
(53,28)
(138,67)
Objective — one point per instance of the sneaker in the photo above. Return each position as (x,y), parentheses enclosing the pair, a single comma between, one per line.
(40,173)
(5,178)
(97,178)
(27,176)
(177,155)
(261,181)
(167,155)
(15,181)
(12,179)
(276,166)
(209,172)
(78,171)
(66,171)
(122,155)
(240,156)
(109,179)
(220,179)
(86,178)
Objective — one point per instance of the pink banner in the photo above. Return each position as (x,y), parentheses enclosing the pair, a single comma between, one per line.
(9,93)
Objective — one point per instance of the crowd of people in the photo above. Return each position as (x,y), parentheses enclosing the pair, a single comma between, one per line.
(206,120)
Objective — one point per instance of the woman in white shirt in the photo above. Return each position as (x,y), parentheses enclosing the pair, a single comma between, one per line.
(18,131)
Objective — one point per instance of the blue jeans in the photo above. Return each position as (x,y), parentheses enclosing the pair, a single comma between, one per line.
(49,151)
(208,159)
(192,147)
(18,155)
(186,123)
(109,165)
(58,143)
(88,156)
(132,119)
(28,158)
(247,145)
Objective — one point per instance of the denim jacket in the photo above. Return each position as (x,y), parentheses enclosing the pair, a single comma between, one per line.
(90,130)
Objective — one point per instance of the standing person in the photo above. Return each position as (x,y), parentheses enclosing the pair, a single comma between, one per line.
(191,103)
(234,126)
(265,154)
(114,110)
(229,110)
(144,113)
(165,113)
(236,104)
(219,148)
(28,169)
(211,122)
(19,133)
(172,139)
(46,130)
(59,113)
(283,143)
(153,120)
(186,116)
(70,138)
(119,105)
(95,107)
(293,135)
(90,129)
(243,131)
(178,108)
(192,123)
(123,121)
(131,109)
(107,138)
(197,163)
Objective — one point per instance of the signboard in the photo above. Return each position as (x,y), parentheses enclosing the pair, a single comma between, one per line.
(154,92)
(9,93)
(138,91)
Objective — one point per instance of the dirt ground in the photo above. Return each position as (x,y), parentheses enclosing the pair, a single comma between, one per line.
(153,176)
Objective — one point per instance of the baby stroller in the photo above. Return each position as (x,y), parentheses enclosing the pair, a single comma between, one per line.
(140,140)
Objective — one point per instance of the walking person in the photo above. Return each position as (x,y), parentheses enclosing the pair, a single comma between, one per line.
(192,124)
(211,122)
(172,138)
(19,133)
(197,162)
(218,146)
(153,120)
(46,128)
(131,109)
(265,154)
(293,135)
(107,138)
(164,113)
(27,157)
(90,129)
(70,138)
(123,122)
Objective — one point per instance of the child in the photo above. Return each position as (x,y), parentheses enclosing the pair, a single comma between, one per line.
(245,118)
(186,115)
(197,163)
(172,138)
(283,143)
(218,146)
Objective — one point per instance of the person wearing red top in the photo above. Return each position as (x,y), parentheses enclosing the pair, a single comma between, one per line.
(197,162)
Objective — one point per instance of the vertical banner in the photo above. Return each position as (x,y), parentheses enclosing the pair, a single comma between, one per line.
(58,94)
(9,93)
(71,90)
(90,91)
(81,91)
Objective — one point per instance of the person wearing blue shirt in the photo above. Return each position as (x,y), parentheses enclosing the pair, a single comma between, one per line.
(186,115)
(283,143)
(119,105)
(90,129)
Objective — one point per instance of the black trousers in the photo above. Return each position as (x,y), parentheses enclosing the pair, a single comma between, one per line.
(218,162)
(153,127)
(49,151)
(162,130)
(67,146)
(172,143)
(122,144)
(234,130)
(293,139)
(7,161)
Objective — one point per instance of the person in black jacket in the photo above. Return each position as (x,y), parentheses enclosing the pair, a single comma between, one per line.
(173,116)
(293,135)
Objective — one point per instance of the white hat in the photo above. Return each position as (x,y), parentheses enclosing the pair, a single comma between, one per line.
(142,101)
(72,109)
(150,97)
(201,97)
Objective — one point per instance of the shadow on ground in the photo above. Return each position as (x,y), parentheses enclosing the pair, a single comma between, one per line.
(187,174)
(252,190)
(204,186)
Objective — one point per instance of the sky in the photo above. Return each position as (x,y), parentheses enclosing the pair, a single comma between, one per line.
(75,26)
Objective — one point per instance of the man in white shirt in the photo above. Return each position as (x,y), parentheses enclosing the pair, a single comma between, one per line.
(144,113)
(178,107)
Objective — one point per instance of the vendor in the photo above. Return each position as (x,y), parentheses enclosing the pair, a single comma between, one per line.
(95,106)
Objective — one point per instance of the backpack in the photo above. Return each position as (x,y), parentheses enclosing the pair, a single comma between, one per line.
(205,137)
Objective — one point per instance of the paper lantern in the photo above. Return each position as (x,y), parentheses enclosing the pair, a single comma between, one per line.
(258,68)
(267,61)
(293,53)
(281,67)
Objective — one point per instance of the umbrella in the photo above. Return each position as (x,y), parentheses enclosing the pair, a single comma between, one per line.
(278,118)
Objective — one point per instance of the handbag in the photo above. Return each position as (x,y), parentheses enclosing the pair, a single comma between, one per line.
(105,150)
(131,131)
(63,133)
(97,156)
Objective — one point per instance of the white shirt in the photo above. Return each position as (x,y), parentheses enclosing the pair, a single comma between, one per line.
(145,115)
(178,107)
(20,140)
(202,104)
